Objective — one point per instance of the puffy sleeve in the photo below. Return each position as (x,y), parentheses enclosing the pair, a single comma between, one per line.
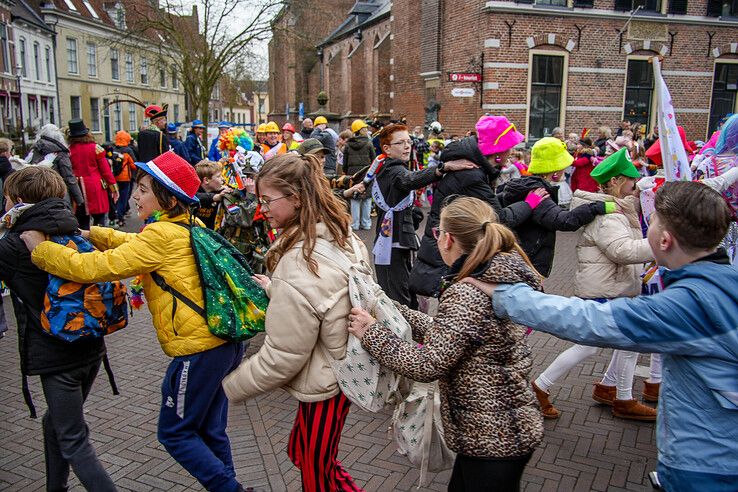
(133,255)
(613,238)
(292,329)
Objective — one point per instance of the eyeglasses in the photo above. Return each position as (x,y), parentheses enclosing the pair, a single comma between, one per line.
(408,143)
(437,232)
(268,203)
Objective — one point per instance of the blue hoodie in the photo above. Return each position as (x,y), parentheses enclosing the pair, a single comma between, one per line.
(694,324)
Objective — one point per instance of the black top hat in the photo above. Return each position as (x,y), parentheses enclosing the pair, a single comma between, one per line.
(77,128)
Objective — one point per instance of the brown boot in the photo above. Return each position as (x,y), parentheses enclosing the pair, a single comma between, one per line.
(604,394)
(651,392)
(547,409)
(633,410)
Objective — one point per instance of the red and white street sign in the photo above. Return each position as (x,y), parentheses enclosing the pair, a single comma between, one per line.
(464,77)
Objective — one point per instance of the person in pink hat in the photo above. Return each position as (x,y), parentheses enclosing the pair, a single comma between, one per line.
(194,408)
(488,150)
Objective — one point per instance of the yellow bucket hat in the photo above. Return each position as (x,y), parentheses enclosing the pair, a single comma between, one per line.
(549,155)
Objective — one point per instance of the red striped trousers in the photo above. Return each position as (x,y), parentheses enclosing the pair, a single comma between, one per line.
(313,445)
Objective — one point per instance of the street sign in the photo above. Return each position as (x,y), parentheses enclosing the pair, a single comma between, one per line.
(464,77)
(462,92)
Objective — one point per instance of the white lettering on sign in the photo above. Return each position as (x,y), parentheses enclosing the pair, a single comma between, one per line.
(462,92)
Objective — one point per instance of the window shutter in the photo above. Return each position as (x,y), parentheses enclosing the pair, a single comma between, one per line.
(678,7)
(623,5)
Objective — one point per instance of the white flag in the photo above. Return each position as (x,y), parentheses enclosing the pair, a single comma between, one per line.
(676,164)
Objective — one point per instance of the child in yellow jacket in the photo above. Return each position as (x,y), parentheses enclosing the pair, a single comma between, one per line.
(194,409)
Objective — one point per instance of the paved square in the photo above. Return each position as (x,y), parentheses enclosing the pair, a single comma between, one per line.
(585,449)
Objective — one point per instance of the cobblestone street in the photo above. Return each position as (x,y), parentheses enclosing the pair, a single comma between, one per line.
(586,449)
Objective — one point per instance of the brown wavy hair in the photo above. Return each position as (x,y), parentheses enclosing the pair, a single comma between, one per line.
(474,225)
(302,177)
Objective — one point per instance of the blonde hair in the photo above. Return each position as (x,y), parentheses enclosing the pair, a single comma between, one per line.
(475,227)
(208,169)
(5,145)
(614,186)
(302,177)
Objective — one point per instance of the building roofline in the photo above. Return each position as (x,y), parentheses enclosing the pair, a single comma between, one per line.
(333,37)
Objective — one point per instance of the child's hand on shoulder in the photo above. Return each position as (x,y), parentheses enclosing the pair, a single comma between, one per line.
(262,280)
(32,239)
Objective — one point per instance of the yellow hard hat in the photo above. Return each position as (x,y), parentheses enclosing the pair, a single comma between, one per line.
(320,120)
(271,127)
(261,128)
(358,125)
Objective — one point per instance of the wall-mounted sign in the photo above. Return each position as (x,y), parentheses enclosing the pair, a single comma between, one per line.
(464,77)
(463,92)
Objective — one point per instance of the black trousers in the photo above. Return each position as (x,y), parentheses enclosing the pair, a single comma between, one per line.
(66,436)
(487,474)
(394,279)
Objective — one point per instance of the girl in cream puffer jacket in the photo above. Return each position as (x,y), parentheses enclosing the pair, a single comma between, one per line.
(306,319)
(610,254)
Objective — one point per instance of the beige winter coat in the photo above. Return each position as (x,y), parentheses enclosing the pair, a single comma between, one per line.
(611,251)
(305,314)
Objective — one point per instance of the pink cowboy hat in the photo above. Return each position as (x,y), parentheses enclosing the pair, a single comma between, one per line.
(496,134)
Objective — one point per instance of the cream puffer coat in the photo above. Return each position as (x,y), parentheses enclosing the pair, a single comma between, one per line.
(611,251)
(306,315)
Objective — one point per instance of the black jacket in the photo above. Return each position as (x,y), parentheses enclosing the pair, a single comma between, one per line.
(396,182)
(537,235)
(5,167)
(429,268)
(40,353)
(62,165)
(357,154)
(208,208)
(151,143)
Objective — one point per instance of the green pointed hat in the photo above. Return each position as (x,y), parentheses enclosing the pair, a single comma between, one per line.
(617,164)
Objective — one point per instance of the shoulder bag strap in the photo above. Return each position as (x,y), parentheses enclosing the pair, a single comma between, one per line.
(163,285)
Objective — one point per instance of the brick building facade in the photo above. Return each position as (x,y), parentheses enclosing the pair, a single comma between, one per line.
(545,63)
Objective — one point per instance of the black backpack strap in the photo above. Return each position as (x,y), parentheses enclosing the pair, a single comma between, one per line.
(111,376)
(27,397)
(163,285)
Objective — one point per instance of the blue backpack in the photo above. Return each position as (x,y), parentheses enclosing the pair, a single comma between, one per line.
(73,311)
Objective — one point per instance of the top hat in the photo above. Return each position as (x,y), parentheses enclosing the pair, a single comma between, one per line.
(77,128)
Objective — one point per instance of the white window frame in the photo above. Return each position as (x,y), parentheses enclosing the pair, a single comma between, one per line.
(95,114)
(37,59)
(117,117)
(564,85)
(144,71)
(175,79)
(91,49)
(163,77)
(22,58)
(48,64)
(72,63)
(130,68)
(132,120)
(114,62)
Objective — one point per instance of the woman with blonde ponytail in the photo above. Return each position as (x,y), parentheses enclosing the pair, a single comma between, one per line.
(490,416)
(306,317)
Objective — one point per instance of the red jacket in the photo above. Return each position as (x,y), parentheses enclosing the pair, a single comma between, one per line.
(90,165)
(580,178)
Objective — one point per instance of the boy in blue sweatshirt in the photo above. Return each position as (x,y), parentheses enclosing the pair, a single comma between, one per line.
(693,323)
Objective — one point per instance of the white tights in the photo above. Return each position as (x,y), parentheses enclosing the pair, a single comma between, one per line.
(619,373)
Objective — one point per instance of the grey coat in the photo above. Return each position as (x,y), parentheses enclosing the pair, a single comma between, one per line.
(62,165)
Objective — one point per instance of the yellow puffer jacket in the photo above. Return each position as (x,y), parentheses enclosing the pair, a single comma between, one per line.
(163,247)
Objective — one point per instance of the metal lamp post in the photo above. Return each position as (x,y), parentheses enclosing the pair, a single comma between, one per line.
(18,74)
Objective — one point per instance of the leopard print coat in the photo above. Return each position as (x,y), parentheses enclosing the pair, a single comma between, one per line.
(482,364)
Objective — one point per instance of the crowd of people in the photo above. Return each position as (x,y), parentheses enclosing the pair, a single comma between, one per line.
(654,275)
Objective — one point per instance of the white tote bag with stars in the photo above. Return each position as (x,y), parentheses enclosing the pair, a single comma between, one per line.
(361,378)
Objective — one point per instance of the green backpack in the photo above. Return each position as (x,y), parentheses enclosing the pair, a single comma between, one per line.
(235,305)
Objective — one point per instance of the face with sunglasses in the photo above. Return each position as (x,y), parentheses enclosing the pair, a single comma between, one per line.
(399,147)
